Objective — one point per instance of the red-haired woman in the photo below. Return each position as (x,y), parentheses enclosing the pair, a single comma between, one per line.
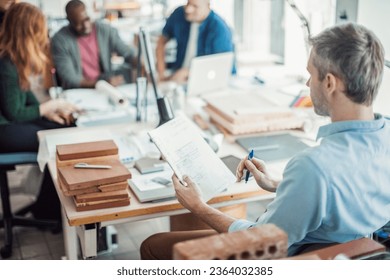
(24,47)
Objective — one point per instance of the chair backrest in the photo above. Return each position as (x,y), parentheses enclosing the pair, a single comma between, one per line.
(262,242)
(9,160)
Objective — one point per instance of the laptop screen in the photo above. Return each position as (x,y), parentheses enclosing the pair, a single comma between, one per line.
(209,73)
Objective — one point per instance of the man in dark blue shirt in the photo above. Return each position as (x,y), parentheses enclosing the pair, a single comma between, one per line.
(198,31)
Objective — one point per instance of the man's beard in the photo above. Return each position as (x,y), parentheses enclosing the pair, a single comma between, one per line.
(320,106)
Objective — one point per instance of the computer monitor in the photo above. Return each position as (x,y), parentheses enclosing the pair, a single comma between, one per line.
(145,50)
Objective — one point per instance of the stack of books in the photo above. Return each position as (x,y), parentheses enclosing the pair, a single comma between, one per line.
(241,113)
(93,175)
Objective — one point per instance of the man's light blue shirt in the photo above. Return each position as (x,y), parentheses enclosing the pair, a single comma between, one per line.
(337,191)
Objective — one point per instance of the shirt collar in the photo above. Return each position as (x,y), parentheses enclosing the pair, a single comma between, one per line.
(343,126)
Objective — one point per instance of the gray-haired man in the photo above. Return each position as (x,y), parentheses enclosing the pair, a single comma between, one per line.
(335,192)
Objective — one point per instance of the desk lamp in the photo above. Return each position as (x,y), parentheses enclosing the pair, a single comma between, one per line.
(163,104)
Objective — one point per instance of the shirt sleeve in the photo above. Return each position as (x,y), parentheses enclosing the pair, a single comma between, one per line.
(173,19)
(16,104)
(300,202)
(61,48)
(119,46)
(31,99)
(240,225)
(222,41)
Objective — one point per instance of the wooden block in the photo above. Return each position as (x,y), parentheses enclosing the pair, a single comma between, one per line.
(120,186)
(98,196)
(86,150)
(189,221)
(91,160)
(237,109)
(80,178)
(280,123)
(260,243)
(114,186)
(95,189)
(67,192)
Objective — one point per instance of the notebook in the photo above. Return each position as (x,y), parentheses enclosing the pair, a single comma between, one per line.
(209,73)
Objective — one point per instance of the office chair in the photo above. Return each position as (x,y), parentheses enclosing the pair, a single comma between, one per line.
(8,161)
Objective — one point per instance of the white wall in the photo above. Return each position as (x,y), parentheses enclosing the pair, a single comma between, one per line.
(225,9)
(56,8)
(257,27)
(374,14)
(320,14)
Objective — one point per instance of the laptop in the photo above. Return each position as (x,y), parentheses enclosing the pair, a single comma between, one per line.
(209,73)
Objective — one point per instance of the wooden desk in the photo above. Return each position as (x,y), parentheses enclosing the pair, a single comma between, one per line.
(86,224)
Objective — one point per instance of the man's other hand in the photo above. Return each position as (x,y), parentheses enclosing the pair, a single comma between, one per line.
(259,171)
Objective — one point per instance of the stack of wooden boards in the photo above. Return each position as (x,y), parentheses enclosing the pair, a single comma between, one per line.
(93,188)
(240,113)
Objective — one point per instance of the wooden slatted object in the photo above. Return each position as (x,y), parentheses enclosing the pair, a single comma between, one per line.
(257,243)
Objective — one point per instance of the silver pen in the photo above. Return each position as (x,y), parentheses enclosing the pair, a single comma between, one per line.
(91,166)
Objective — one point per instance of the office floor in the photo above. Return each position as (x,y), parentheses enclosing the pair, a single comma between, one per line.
(35,244)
